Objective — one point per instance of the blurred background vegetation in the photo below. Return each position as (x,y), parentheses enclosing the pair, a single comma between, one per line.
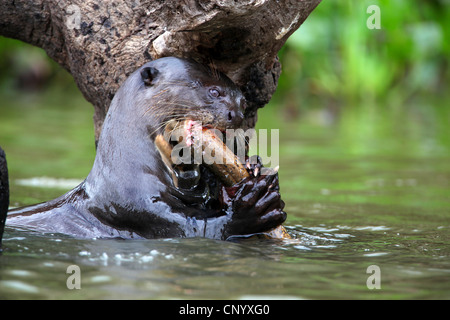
(377,89)
(380,89)
(334,59)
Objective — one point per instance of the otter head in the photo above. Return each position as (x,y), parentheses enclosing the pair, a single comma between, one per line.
(180,89)
(184,95)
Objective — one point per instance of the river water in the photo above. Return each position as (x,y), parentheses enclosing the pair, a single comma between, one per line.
(368,208)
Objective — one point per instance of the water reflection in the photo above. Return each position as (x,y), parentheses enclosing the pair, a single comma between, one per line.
(320,262)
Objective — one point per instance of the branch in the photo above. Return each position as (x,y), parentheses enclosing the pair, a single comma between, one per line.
(102,43)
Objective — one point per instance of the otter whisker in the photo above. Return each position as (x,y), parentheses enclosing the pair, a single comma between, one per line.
(174,106)
(175,117)
(173,83)
(161,92)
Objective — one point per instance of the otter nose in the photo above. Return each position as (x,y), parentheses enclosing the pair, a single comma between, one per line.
(235,117)
(231,115)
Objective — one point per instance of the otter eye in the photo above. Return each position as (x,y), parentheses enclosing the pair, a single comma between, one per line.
(214,92)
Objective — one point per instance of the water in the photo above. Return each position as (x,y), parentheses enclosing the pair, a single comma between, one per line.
(321,263)
(357,194)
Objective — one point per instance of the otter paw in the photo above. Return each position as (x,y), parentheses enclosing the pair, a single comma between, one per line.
(255,205)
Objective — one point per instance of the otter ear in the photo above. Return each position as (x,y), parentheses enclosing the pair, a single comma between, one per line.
(148,74)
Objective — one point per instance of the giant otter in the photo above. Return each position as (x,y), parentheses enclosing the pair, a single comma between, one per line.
(130,192)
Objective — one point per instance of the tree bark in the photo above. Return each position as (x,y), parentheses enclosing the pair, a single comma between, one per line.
(102,42)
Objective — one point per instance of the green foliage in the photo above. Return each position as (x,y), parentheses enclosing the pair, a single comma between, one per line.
(26,68)
(335,58)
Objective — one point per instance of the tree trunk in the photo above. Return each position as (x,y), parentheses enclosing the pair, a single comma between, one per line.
(102,42)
